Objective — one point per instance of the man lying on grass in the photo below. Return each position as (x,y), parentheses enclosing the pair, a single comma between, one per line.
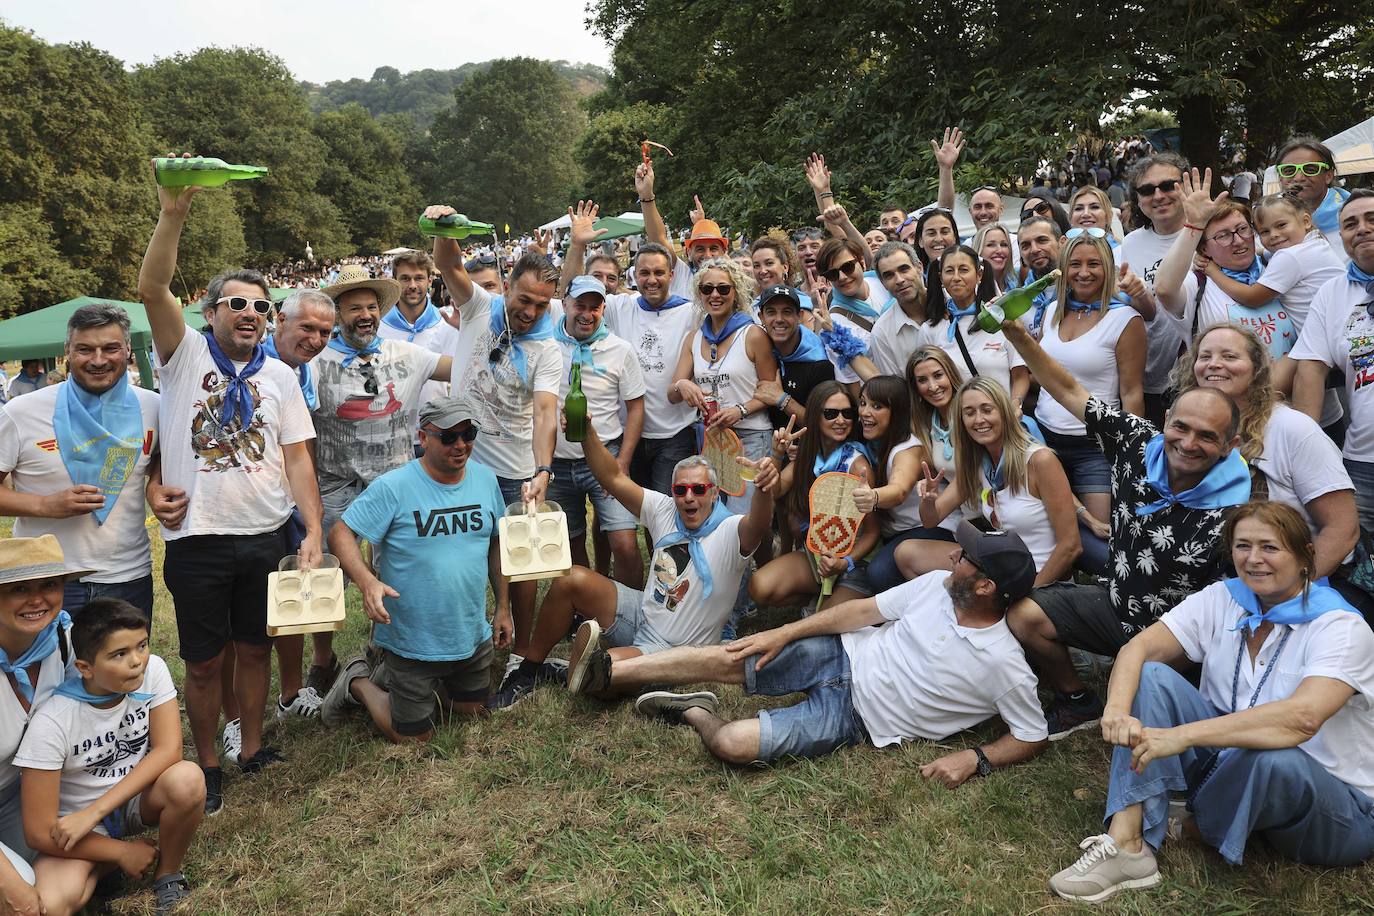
(926,659)
(700,554)
(101,761)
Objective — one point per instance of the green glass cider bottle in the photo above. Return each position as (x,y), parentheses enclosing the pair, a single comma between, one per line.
(453,226)
(575,407)
(201,171)
(1014,303)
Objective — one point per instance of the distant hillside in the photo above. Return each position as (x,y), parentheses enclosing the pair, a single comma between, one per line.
(424,93)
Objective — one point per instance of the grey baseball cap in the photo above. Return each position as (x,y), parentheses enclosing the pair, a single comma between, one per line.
(448,411)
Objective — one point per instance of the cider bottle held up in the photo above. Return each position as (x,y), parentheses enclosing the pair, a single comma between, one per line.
(575,407)
(201,171)
(1014,303)
(453,226)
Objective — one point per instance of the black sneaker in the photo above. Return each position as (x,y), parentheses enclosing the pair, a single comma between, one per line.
(589,666)
(668,707)
(265,757)
(321,678)
(517,686)
(214,790)
(1068,716)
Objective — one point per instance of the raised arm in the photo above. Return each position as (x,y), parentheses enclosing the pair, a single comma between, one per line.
(758,524)
(837,220)
(580,235)
(159,265)
(609,474)
(818,177)
(946,156)
(1198,208)
(1047,370)
(654,228)
(448,258)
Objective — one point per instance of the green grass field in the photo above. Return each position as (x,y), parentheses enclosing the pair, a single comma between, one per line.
(565,805)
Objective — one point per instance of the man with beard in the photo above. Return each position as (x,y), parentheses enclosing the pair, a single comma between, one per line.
(925,660)
(234,430)
(89,497)
(896,333)
(1038,241)
(416,320)
(802,361)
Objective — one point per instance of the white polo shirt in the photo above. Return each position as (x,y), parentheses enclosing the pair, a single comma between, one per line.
(895,336)
(1340,333)
(924,676)
(621,381)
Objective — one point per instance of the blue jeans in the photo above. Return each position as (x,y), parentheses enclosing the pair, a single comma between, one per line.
(883,573)
(823,722)
(139,593)
(1304,812)
(573,482)
(1362,475)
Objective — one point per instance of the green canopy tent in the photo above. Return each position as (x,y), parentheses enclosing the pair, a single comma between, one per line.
(43,332)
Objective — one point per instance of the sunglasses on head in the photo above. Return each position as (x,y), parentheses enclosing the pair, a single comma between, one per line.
(1091,232)
(1148,190)
(449,436)
(239,303)
(848,267)
(803,234)
(481,262)
(834,413)
(697,489)
(1292,169)
(718,289)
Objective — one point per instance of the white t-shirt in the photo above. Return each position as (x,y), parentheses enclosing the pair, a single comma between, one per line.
(441,338)
(924,676)
(504,399)
(1143,249)
(1300,461)
(656,337)
(234,479)
(896,335)
(360,435)
(14,718)
(992,355)
(844,374)
(1340,333)
(94,748)
(675,613)
(119,548)
(1091,359)
(605,391)
(1336,645)
(1296,274)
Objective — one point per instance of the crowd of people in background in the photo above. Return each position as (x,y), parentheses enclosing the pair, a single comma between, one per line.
(1163,465)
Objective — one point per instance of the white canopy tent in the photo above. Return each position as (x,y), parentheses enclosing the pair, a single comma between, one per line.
(565,221)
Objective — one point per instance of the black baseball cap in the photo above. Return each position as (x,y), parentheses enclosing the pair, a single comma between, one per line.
(1002,556)
(773,292)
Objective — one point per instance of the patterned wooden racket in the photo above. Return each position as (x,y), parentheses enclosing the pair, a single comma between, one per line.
(835,519)
(721,447)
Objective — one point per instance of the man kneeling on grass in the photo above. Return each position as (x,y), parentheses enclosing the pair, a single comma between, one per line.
(101,760)
(700,554)
(926,659)
(432,526)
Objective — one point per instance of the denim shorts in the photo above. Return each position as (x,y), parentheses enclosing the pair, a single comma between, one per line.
(628,629)
(823,722)
(337,501)
(1084,464)
(573,482)
(654,459)
(138,592)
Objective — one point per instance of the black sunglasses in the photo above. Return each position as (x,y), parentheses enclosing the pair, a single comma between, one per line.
(239,303)
(450,436)
(719,289)
(1040,209)
(804,234)
(503,343)
(1148,190)
(832,413)
(848,267)
(698,489)
(481,262)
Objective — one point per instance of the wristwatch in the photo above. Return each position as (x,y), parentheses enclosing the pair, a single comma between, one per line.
(984,766)
(546,469)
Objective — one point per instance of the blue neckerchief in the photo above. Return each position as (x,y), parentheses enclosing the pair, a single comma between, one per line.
(351,352)
(1248,276)
(582,349)
(1328,215)
(74,688)
(809,349)
(956,313)
(1116,302)
(693,539)
(238,398)
(840,302)
(542,330)
(996,476)
(671,302)
(1042,303)
(840,458)
(43,645)
(303,373)
(428,319)
(1355,275)
(1320,599)
(99,437)
(941,435)
(736,321)
(1226,484)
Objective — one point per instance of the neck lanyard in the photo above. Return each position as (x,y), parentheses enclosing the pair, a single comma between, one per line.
(1273,662)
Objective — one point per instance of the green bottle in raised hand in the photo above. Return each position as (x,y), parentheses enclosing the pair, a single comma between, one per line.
(201,172)
(575,407)
(453,226)
(1014,303)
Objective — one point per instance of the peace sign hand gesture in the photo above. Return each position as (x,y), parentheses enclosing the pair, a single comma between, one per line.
(1198,203)
(785,440)
(820,302)
(928,486)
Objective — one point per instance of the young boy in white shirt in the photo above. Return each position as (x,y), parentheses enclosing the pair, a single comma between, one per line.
(101,760)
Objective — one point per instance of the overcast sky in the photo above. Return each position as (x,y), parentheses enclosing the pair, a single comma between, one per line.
(321,41)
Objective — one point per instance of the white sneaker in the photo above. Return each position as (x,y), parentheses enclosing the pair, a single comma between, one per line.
(306,705)
(233,742)
(511,664)
(1104,870)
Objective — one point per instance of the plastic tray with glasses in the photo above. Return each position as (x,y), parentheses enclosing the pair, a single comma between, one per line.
(300,601)
(534,542)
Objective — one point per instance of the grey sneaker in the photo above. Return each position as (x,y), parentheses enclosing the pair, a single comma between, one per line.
(589,666)
(169,892)
(1104,871)
(669,707)
(338,699)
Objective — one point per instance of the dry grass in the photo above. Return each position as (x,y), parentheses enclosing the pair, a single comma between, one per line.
(564,805)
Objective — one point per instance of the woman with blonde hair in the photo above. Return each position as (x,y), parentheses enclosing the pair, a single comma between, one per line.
(1091,208)
(1003,474)
(993,244)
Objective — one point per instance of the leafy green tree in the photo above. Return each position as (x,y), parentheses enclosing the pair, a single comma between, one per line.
(609,150)
(505,147)
(365,177)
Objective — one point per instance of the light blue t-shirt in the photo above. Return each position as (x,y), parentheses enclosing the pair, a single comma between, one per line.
(431,541)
